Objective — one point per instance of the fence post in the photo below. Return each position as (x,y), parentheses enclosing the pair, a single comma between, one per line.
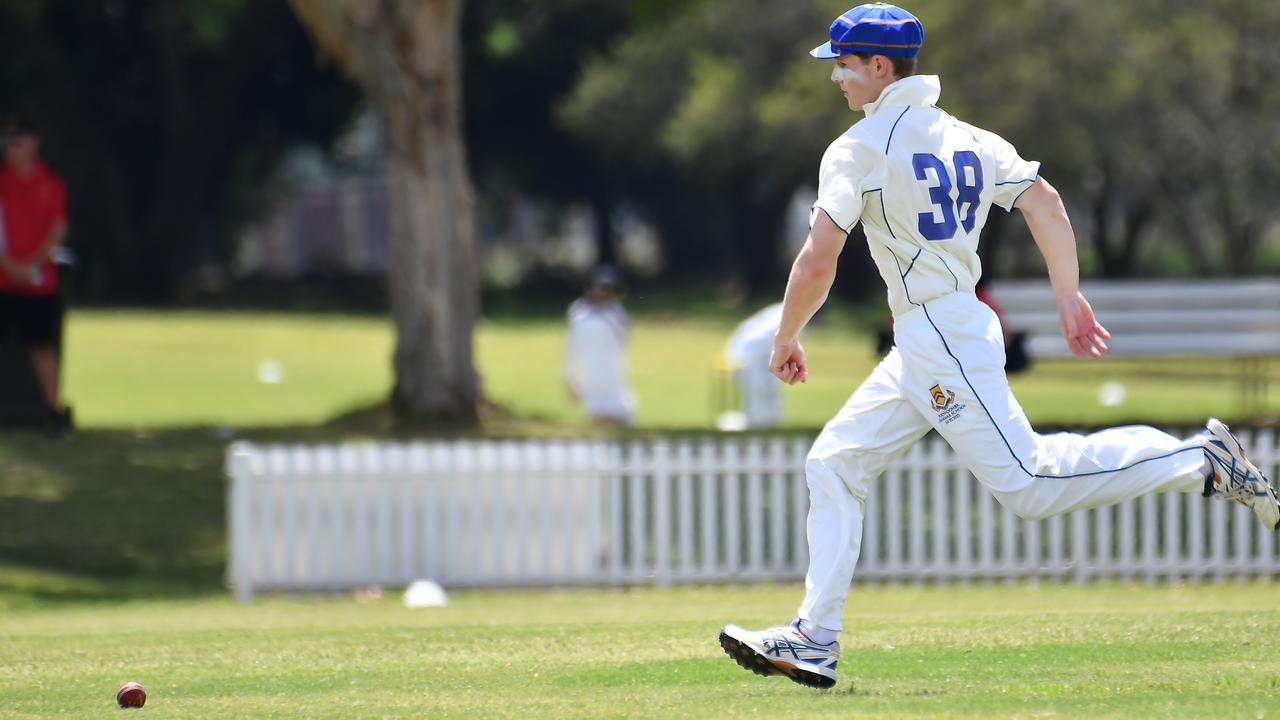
(1267,450)
(240,462)
(378,485)
(1128,531)
(1104,551)
(755,507)
(1173,535)
(730,451)
(892,481)
(684,481)
(1149,535)
(706,475)
(1080,545)
(639,508)
(616,522)
(777,506)
(915,519)
(940,504)
(662,513)
(986,525)
(1008,542)
(799,505)
(962,529)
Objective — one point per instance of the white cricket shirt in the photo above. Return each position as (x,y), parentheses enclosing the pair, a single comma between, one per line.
(595,358)
(921,182)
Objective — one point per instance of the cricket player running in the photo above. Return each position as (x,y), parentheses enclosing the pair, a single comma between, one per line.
(921,183)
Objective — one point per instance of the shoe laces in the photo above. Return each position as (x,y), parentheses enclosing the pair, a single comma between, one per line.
(1239,480)
(1239,493)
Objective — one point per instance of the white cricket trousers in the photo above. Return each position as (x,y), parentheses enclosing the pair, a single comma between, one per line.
(947,373)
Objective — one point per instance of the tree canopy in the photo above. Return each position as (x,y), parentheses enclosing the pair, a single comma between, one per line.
(1153,117)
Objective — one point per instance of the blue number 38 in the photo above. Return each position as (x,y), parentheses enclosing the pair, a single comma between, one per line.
(967,198)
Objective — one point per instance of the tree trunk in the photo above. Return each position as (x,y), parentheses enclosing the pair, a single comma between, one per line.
(432,279)
(406,55)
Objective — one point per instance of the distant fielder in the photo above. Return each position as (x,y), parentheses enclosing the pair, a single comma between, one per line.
(595,351)
(747,353)
(921,183)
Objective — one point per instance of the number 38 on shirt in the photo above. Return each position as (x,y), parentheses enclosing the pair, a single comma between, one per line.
(968,183)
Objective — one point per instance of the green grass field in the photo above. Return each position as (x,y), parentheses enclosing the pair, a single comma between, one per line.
(980,652)
(156,369)
(159,395)
(112,549)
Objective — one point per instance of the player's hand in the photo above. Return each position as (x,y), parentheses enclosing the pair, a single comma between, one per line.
(1084,334)
(788,364)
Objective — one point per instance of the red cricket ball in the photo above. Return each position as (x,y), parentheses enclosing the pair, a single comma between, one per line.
(131,694)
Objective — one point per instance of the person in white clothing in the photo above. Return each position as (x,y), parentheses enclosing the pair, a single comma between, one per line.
(921,183)
(595,351)
(747,353)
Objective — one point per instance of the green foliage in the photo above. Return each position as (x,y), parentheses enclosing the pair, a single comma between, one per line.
(679,97)
(1153,118)
(690,83)
(617,113)
(502,41)
(1153,129)
(25,12)
(699,131)
(211,22)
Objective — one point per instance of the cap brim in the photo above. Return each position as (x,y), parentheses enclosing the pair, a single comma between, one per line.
(824,52)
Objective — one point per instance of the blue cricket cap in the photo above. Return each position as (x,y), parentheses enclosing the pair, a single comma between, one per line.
(878,28)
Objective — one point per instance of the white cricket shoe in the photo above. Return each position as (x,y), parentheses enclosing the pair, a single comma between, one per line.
(1236,478)
(782,651)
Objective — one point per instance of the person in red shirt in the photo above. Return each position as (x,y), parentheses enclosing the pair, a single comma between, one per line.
(33,221)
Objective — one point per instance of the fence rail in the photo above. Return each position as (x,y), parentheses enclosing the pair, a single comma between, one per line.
(545,512)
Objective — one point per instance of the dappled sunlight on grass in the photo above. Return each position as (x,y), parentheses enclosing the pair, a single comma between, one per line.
(153,369)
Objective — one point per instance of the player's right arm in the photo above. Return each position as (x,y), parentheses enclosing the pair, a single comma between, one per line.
(838,208)
(812,274)
(1046,216)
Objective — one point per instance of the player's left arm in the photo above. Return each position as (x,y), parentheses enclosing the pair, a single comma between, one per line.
(812,274)
(1042,207)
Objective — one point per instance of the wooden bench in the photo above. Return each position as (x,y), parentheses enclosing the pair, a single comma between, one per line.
(1229,318)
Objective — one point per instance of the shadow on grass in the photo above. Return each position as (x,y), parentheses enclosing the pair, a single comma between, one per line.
(111,513)
(122,514)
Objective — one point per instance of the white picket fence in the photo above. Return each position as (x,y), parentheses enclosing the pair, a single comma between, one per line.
(549,512)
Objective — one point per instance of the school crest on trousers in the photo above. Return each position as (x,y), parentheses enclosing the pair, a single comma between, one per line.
(944,403)
(941,398)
